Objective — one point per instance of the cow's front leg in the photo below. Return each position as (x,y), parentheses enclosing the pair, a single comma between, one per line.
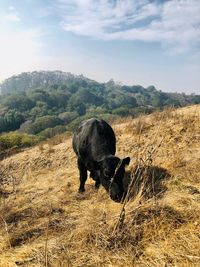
(95,176)
(97,180)
(97,183)
(83,175)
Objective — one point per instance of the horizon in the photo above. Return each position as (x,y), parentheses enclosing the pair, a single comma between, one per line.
(116,82)
(148,42)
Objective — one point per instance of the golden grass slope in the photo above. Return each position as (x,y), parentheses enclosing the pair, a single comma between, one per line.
(45,222)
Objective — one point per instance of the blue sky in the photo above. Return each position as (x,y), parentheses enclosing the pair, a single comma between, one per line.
(147,42)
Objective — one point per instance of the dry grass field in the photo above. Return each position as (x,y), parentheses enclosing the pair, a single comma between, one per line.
(45,222)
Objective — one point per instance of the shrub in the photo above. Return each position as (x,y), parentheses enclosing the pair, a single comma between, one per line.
(121,111)
(17,140)
(51,132)
(67,117)
(43,123)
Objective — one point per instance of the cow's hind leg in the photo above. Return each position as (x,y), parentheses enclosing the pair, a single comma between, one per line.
(83,175)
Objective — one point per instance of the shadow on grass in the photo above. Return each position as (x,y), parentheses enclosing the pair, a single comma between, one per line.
(148,179)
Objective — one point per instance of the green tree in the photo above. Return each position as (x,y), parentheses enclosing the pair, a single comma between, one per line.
(40,109)
(2,124)
(42,123)
(12,120)
(19,102)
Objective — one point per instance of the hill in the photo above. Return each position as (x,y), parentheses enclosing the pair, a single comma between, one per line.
(32,80)
(45,222)
(47,102)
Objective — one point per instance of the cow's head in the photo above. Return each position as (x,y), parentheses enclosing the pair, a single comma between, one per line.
(112,171)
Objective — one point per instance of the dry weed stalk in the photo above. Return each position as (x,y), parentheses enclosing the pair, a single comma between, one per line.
(137,175)
(140,174)
(6,230)
(46,238)
(140,124)
(166,114)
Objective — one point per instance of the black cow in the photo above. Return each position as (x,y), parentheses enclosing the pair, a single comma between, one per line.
(94,143)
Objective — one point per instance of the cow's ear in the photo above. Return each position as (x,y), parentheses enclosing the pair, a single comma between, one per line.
(126,161)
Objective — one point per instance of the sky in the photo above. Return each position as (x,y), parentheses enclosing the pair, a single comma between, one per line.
(145,42)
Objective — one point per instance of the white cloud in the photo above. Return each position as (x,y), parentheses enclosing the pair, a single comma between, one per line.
(175,24)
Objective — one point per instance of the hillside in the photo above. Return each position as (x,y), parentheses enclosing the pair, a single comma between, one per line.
(38,102)
(45,222)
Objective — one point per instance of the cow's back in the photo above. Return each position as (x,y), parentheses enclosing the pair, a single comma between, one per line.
(93,139)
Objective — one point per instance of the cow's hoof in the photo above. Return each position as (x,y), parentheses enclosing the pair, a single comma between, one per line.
(81,190)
